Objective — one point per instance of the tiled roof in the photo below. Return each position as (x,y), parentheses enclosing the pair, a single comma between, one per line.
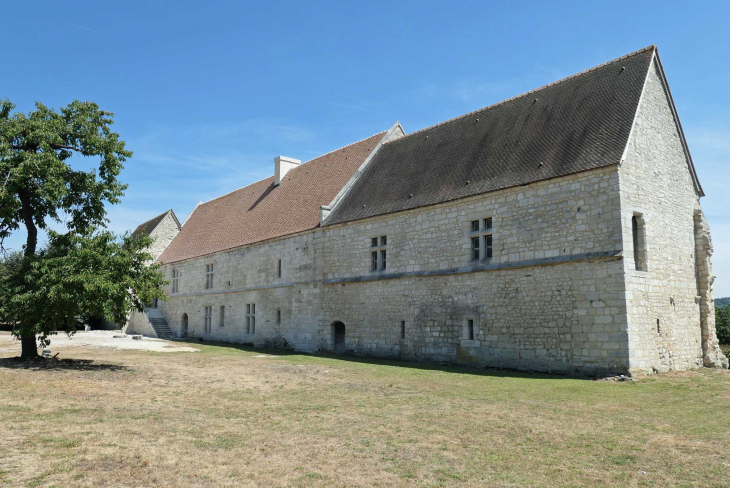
(576,124)
(150,225)
(262,211)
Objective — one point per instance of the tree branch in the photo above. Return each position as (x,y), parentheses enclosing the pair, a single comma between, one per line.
(53,146)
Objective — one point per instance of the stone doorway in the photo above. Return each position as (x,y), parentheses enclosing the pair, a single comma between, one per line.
(339,333)
(184,326)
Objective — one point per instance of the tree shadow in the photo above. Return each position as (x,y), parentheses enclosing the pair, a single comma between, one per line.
(406,363)
(43,364)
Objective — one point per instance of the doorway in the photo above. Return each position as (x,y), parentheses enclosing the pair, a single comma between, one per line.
(339,332)
(184,326)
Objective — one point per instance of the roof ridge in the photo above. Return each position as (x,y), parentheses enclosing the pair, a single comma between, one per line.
(575,75)
(309,161)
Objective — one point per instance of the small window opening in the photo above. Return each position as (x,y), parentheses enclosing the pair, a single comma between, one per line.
(475,226)
(470,329)
(208,319)
(488,223)
(278,269)
(278,316)
(223,316)
(475,248)
(638,234)
(208,276)
(374,242)
(374,264)
(658,327)
(383,259)
(402,329)
(250,318)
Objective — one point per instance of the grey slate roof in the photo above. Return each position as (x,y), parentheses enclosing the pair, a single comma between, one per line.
(150,225)
(576,124)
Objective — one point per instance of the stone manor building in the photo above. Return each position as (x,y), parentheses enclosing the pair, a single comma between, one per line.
(559,230)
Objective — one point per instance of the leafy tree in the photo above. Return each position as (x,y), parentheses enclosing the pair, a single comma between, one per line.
(722,322)
(77,277)
(38,185)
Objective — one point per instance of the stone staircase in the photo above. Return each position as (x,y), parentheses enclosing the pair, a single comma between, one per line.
(159,323)
(162,328)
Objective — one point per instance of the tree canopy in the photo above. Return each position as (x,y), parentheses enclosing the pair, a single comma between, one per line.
(84,270)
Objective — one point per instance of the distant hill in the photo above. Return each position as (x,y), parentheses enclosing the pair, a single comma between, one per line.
(721,302)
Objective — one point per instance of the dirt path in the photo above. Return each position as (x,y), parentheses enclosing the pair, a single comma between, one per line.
(98,339)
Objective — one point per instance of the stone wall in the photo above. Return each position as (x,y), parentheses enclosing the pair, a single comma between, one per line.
(249,275)
(551,297)
(163,235)
(658,189)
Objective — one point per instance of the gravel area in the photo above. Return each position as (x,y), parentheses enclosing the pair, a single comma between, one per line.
(99,339)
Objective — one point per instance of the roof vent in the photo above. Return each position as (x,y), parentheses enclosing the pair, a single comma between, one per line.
(282,165)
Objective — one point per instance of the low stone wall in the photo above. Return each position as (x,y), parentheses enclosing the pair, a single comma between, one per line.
(138,324)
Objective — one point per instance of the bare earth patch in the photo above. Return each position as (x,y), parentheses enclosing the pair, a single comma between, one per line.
(230,416)
(99,339)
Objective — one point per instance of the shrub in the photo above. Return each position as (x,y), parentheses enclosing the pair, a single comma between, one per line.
(722,318)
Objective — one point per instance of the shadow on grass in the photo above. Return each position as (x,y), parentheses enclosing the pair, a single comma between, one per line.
(400,363)
(43,364)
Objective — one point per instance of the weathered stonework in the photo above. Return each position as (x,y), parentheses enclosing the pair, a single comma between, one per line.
(561,292)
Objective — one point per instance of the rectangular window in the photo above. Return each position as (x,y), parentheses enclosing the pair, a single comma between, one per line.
(481,243)
(208,276)
(278,270)
(175,280)
(470,329)
(378,259)
(250,318)
(402,329)
(638,234)
(278,316)
(223,316)
(208,319)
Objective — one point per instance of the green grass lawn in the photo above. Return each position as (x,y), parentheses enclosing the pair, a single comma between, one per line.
(226,416)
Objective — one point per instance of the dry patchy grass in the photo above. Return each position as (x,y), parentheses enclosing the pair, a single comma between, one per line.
(226,416)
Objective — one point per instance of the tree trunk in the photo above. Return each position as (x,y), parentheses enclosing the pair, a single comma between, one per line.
(29,347)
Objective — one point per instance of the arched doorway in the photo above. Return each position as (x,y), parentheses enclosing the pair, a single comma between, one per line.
(184,326)
(339,336)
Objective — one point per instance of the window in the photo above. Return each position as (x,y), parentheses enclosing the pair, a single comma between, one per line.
(469,330)
(378,258)
(208,319)
(475,247)
(278,316)
(402,329)
(176,280)
(222,321)
(250,318)
(638,234)
(278,269)
(481,239)
(208,276)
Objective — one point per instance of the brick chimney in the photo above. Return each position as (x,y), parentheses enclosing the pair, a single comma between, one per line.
(282,165)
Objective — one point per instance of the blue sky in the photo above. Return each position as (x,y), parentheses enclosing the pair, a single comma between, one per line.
(207,93)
